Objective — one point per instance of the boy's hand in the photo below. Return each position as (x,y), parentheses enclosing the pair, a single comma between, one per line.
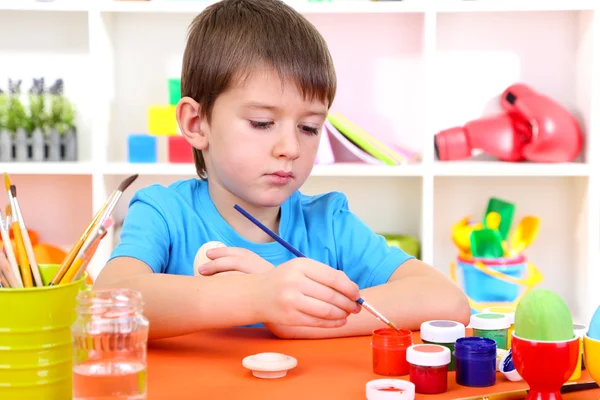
(234,259)
(304,292)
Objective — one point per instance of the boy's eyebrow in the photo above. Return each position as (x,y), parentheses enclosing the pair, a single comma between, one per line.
(270,107)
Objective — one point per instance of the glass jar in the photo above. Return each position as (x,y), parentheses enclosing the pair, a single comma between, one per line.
(475,361)
(110,336)
(389,351)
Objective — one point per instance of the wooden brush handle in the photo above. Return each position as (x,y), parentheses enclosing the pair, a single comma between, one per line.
(22,257)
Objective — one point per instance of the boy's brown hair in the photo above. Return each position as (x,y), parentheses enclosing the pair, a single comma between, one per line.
(230,38)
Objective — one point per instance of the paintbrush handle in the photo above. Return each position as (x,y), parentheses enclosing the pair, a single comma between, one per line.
(22,257)
(10,255)
(70,257)
(31,256)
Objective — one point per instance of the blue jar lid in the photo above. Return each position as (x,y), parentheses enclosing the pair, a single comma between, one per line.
(475,346)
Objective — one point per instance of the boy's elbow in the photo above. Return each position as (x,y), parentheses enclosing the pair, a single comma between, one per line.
(459,309)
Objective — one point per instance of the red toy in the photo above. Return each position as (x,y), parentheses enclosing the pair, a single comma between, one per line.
(534,128)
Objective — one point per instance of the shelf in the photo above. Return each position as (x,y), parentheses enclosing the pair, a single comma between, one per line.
(55,5)
(491,168)
(304,7)
(513,5)
(47,168)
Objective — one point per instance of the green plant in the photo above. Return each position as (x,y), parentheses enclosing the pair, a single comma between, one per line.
(3,109)
(16,116)
(62,111)
(38,118)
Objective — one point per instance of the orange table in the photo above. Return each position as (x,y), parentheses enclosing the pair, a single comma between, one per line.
(208,365)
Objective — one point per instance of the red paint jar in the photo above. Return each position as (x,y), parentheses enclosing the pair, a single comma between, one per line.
(429,367)
(389,351)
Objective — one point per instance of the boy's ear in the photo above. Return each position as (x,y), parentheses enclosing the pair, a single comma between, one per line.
(189,118)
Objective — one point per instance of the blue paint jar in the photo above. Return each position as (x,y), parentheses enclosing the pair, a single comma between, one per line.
(475,361)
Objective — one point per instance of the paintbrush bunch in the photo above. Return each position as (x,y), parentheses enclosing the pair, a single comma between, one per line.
(18,267)
(492,238)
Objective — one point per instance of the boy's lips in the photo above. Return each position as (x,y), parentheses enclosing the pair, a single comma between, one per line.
(280,177)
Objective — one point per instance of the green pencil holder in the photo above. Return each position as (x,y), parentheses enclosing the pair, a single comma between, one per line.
(35,339)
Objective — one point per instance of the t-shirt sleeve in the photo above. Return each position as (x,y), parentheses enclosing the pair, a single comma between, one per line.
(363,255)
(145,234)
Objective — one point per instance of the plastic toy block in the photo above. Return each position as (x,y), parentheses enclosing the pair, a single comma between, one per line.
(162,121)
(174,91)
(180,151)
(141,148)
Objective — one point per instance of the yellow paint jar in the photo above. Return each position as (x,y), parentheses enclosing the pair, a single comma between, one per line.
(35,339)
(509,312)
(580,331)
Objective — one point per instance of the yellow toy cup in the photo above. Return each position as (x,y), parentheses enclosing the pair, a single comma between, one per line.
(591,351)
(35,339)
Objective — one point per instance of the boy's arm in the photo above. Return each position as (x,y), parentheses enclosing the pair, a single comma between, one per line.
(415,292)
(174,303)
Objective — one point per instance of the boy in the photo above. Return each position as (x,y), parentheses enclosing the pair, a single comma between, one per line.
(257,83)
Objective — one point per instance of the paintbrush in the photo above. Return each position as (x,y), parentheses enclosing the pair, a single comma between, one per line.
(14,276)
(297,253)
(522,393)
(99,218)
(26,239)
(86,253)
(22,260)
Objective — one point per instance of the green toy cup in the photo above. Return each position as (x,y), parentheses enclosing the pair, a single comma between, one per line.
(35,339)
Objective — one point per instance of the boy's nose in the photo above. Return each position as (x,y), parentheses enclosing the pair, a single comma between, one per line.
(288,145)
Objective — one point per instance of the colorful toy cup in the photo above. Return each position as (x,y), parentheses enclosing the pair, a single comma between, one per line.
(580,333)
(591,350)
(36,341)
(545,366)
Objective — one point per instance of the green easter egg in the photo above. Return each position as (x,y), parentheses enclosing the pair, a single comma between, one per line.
(543,315)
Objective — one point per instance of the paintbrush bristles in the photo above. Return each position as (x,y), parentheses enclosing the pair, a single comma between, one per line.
(128,181)
(13,190)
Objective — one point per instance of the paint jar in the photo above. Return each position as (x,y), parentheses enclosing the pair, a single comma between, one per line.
(491,326)
(475,361)
(443,333)
(508,312)
(429,367)
(580,331)
(389,351)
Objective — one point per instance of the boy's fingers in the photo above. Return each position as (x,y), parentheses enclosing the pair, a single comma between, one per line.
(327,296)
(218,252)
(303,319)
(320,309)
(219,265)
(333,278)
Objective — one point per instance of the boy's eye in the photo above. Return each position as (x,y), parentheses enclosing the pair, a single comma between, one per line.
(309,129)
(260,124)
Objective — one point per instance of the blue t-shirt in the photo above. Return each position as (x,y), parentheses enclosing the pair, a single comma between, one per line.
(165,227)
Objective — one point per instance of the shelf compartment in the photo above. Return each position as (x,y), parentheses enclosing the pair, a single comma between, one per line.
(559,250)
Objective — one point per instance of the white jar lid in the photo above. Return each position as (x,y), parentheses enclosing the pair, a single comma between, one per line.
(580,330)
(489,321)
(442,331)
(428,355)
(390,389)
(508,311)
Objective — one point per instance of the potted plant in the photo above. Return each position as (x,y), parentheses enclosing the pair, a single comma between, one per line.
(61,124)
(37,120)
(17,121)
(5,139)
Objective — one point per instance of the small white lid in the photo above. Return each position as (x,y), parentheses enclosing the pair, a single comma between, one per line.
(442,331)
(378,389)
(508,311)
(489,321)
(428,355)
(269,365)
(580,330)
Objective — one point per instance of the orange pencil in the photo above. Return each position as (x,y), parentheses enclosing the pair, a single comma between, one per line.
(100,216)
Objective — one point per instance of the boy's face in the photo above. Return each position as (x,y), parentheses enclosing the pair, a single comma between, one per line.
(262,139)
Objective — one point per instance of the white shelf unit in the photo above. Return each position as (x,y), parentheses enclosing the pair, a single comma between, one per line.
(406,70)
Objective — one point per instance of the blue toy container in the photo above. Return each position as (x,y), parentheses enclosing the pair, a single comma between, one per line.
(141,148)
(495,281)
